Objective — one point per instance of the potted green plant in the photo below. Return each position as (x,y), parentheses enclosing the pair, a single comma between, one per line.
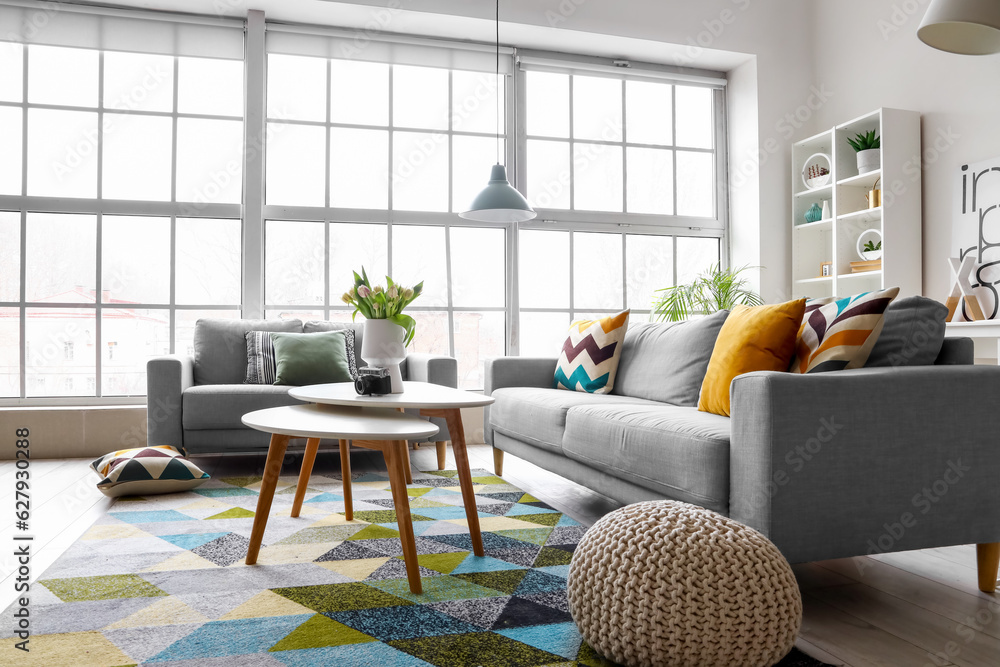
(387,329)
(868,145)
(713,290)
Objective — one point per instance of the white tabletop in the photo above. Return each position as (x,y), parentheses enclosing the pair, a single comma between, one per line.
(415,395)
(332,421)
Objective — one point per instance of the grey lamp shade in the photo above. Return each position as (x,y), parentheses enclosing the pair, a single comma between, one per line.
(966,27)
(499,201)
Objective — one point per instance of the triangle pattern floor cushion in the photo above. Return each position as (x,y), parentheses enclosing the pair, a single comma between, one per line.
(146,471)
(589,358)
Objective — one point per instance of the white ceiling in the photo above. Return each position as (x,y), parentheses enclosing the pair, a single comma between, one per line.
(449,19)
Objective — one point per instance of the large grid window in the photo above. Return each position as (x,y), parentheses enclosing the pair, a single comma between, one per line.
(623,168)
(374,159)
(123,215)
(620,145)
(120,185)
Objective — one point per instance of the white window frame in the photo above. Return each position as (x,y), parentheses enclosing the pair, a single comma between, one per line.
(23,205)
(573,221)
(254,213)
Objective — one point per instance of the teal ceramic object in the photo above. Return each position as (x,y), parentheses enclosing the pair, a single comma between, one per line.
(814,214)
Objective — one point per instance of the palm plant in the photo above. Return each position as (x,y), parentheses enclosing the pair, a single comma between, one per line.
(713,290)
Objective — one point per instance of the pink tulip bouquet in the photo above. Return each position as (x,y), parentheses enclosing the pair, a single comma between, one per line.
(383,303)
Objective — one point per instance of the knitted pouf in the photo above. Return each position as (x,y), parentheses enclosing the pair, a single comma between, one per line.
(667,583)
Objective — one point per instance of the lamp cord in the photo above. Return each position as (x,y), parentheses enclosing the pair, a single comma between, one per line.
(498,82)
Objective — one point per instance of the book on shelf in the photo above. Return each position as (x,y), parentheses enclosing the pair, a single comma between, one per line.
(866,265)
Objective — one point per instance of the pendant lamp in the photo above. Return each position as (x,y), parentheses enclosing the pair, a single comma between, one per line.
(965,27)
(499,201)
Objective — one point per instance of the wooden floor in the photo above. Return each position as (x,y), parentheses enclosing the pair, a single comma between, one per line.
(907,609)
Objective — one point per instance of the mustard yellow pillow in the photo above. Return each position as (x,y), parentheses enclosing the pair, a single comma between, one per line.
(759,338)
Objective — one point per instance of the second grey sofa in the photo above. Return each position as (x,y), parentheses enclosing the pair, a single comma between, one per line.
(826,465)
(197,403)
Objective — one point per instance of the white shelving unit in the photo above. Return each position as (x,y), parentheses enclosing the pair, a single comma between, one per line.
(835,239)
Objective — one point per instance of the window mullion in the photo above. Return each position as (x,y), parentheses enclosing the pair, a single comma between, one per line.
(254,133)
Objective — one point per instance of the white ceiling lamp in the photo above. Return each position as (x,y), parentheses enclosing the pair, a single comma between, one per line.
(499,201)
(966,27)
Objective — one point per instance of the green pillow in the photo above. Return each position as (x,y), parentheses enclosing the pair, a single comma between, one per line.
(310,358)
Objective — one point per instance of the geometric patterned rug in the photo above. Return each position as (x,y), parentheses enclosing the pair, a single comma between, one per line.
(160,580)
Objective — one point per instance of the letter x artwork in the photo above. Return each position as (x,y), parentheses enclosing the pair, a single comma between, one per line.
(975,271)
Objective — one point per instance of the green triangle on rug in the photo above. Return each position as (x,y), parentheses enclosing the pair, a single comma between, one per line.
(443,563)
(319,632)
(374,531)
(233,513)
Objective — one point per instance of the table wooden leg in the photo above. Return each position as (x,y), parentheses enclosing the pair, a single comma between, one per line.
(442,452)
(395,457)
(308,459)
(272,468)
(407,468)
(453,417)
(345,472)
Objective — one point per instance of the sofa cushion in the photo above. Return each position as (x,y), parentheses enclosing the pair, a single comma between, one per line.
(841,334)
(538,416)
(589,358)
(311,358)
(677,451)
(222,406)
(220,347)
(913,333)
(666,362)
(754,338)
(316,326)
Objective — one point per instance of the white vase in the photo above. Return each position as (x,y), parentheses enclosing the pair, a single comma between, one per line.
(382,346)
(869,160)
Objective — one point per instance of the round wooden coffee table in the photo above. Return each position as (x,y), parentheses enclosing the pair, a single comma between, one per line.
(373,428)
(433,400)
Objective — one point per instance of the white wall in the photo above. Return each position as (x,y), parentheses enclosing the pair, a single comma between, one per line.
(871,57)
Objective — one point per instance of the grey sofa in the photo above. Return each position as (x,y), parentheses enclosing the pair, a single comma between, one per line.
(197,403)
(826,465)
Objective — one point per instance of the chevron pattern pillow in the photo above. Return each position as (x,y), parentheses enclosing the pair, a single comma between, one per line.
(840,334)
(145,471)
(589,358)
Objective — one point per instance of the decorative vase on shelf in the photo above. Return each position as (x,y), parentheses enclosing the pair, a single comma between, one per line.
(826,210)
(814,214)
(382,346)
(869,160)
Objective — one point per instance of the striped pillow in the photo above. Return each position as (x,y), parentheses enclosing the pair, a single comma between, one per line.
(840,334)
(262,367)
(589,358)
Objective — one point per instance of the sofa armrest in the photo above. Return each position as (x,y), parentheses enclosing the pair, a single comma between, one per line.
(436,369)
(515,372)
(166,379)
(872,460)
(519,372)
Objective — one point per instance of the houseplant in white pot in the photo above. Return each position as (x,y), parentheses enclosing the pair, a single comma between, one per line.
(387,330)
(868,146)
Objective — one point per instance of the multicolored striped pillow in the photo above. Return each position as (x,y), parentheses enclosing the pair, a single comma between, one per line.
(589,358)
(839,334)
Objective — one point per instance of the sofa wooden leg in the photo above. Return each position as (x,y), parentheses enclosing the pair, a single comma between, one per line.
(498,462)
(988,561)
(442,452)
